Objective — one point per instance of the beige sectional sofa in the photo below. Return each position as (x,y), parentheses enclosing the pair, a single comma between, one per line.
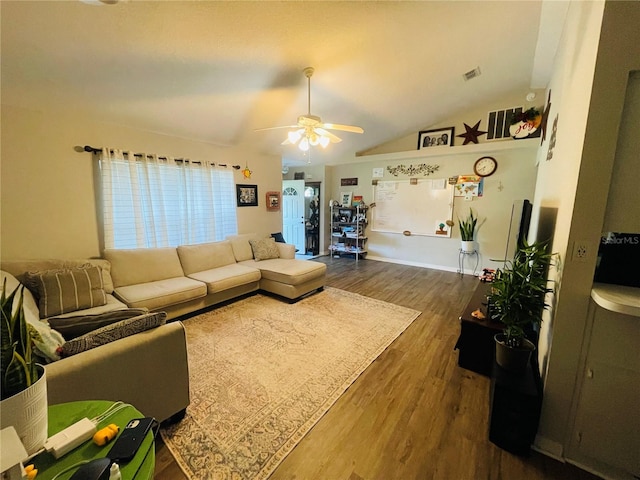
(191,277)
(149,369)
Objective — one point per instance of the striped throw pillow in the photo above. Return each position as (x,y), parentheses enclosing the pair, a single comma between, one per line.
(67,290)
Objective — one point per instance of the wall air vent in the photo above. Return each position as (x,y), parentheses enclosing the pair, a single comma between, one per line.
(471,74)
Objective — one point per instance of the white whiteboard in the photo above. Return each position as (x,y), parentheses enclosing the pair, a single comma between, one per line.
(419,209)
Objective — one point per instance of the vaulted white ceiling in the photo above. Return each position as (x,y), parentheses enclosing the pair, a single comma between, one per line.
(215,71)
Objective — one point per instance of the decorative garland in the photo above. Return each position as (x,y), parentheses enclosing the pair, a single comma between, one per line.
(422,168)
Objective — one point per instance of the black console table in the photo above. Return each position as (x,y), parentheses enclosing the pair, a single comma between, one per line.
(515,403)
(515,399)
(475,344)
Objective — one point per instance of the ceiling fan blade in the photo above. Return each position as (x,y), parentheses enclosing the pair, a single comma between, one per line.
(333,138)
(344,128)
(275,128)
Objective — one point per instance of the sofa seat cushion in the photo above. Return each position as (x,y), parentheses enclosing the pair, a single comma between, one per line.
(224,278)
(161,293)
(112,304)
(291,272)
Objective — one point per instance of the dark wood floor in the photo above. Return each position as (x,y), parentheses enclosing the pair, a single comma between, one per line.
(413,414)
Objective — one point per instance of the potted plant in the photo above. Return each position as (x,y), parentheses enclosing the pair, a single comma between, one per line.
(518,297)
(467,231)
(23,396)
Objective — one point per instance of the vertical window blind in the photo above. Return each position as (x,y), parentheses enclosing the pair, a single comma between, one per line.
(154,202)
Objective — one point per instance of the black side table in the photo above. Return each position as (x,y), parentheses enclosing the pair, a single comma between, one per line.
(515,403)
(475,344)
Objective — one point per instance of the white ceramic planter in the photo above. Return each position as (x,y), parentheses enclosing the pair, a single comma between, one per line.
(467,246)
(27,413)
(513,359)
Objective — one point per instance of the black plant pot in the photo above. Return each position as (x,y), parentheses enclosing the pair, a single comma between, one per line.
(510,358)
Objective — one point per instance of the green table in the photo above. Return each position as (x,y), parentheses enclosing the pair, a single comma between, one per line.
(65,414)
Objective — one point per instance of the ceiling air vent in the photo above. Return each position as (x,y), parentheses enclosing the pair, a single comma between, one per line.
(471,74)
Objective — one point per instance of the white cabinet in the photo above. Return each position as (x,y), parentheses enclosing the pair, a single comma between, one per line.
(606,433)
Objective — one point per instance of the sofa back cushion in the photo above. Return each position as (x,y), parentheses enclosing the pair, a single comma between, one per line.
(142,265)
(205,256)
(241,246)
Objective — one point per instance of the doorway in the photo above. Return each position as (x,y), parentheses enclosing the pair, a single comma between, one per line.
(293,213)
(312,218)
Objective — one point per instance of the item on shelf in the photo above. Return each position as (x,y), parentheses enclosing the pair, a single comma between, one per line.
(488,275)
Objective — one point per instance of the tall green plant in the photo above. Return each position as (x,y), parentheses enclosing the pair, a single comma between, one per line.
(518,292)
(18,366)
(468,227)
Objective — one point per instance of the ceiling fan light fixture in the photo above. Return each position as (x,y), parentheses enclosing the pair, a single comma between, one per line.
(294,136)
(314,140)
(311,131)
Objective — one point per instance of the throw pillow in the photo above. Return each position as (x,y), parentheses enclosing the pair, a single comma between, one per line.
(47,341)
(264,249)
(67,290)
(113,332)
(278,237)
(72,327)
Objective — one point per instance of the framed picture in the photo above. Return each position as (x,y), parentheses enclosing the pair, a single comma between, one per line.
(347,182)
(273,201)
(346,199)
(440,137)
(247,195)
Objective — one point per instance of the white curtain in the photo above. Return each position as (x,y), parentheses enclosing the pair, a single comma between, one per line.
(153,202)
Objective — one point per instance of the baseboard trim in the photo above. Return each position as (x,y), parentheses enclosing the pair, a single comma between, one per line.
(550,448)
(415,264)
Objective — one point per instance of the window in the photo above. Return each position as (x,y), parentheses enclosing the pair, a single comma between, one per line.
(154,202)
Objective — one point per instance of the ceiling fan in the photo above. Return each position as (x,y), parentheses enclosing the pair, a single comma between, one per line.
(310,130)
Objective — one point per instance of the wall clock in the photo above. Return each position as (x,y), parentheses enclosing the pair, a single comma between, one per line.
(485,166)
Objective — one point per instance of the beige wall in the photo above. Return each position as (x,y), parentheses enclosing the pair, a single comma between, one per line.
(514,180)
(48,207)
(588,89)
(465,115)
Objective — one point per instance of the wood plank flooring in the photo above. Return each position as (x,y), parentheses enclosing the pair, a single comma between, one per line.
(413,414)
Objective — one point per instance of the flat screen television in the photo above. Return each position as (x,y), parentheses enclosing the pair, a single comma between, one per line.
(518,226)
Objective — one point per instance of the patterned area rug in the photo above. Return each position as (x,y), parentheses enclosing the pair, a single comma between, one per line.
(263,372)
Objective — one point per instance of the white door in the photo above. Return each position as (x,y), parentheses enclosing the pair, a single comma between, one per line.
(293,227)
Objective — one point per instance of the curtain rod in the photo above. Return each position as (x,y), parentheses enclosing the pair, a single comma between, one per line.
(95,150)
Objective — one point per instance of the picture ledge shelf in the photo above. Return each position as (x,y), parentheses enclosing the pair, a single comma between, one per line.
(480,148)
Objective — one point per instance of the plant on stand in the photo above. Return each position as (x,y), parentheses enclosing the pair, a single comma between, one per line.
(23,383)
(467,231)
(518,297)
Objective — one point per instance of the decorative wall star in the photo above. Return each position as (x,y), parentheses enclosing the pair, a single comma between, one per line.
(472,133)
